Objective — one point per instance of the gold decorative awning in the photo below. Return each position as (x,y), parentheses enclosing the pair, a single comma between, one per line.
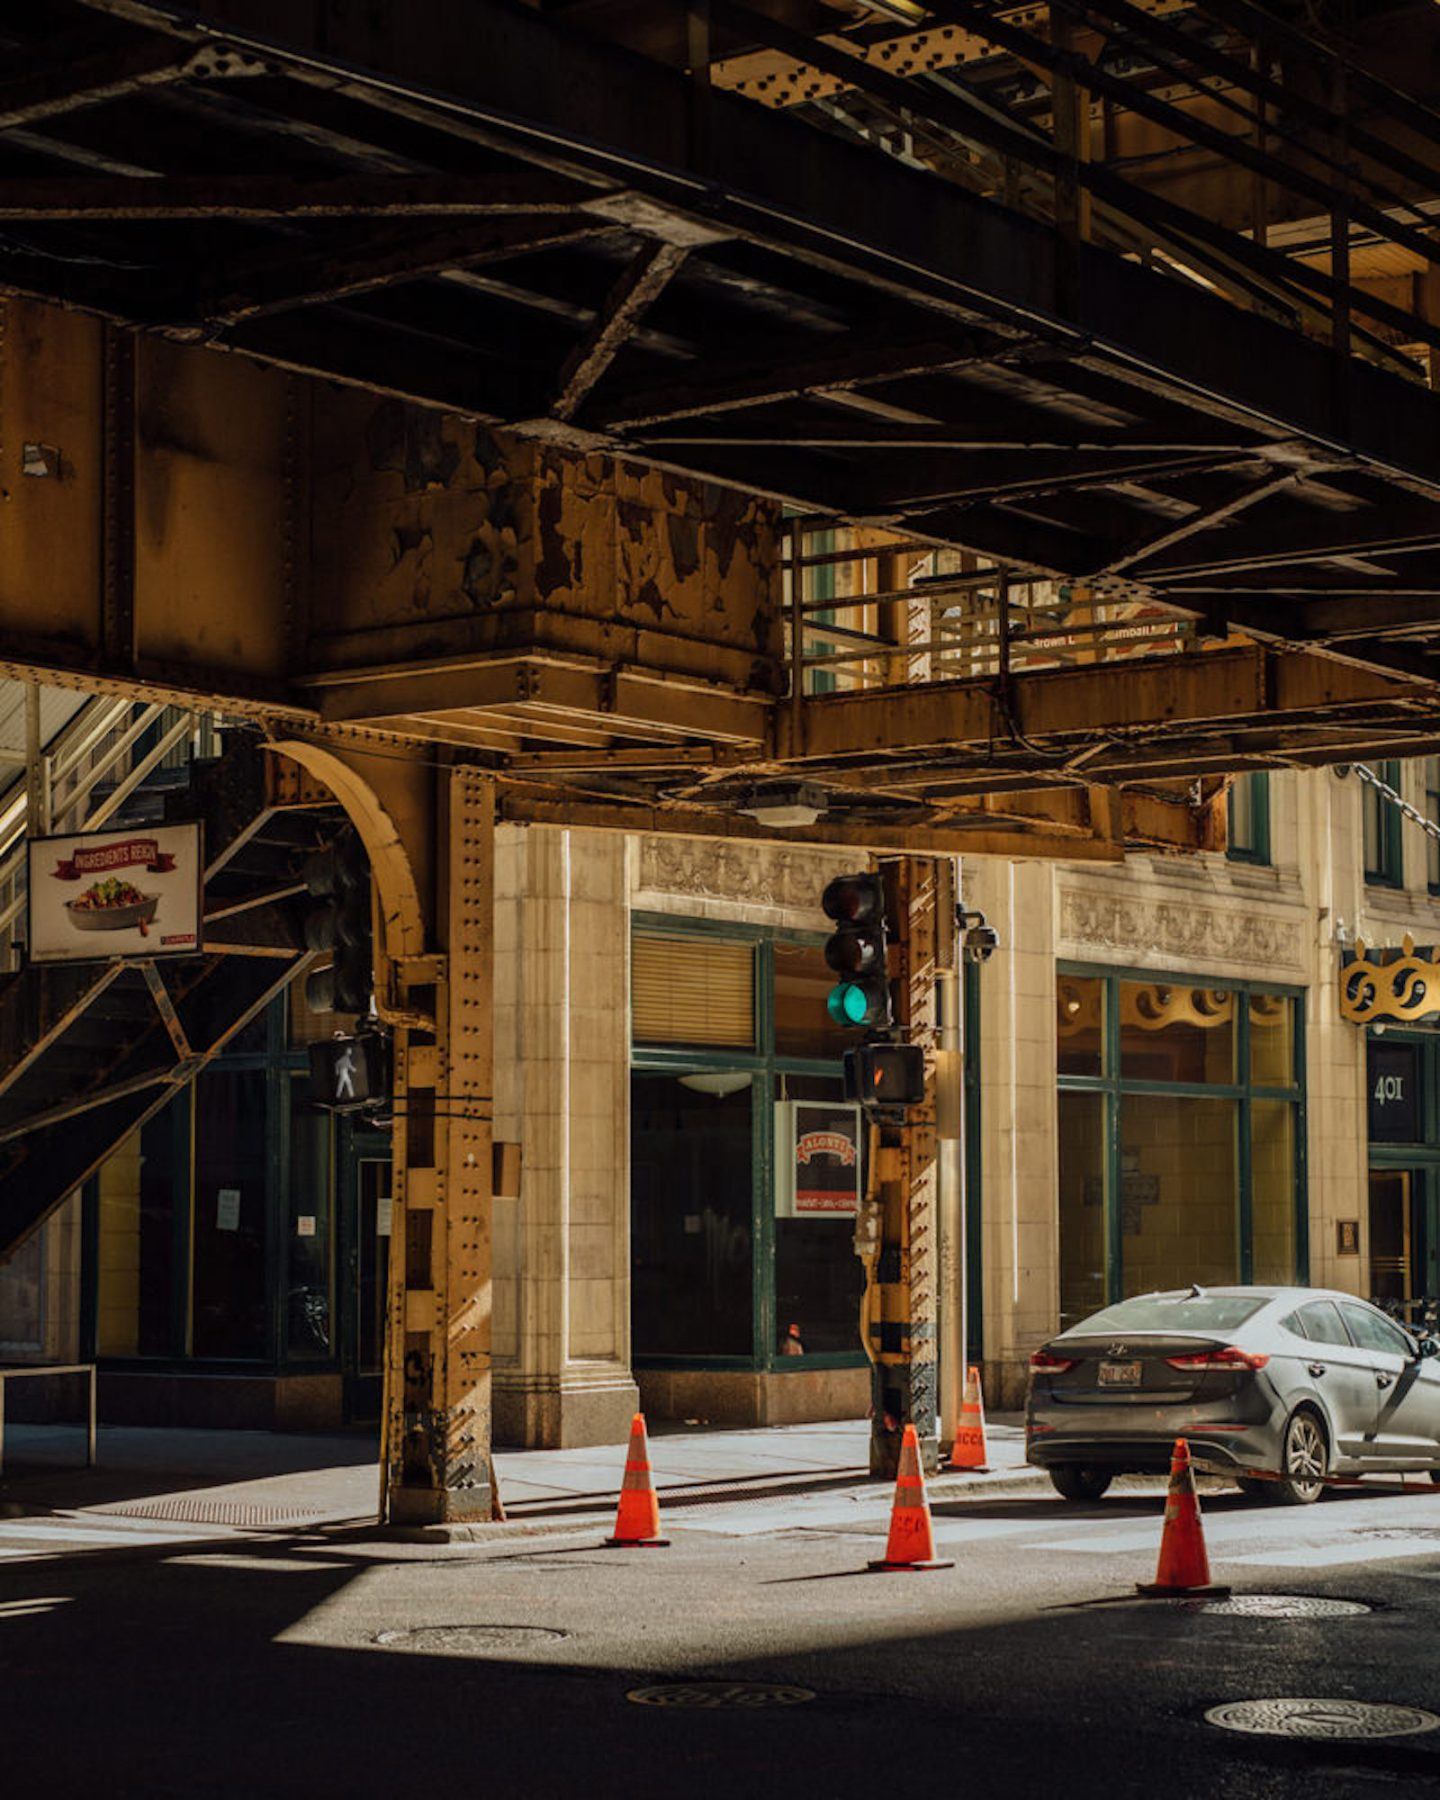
(1401,985)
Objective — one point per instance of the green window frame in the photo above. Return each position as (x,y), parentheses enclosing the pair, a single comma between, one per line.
(768,1071)
(1432,812)
(1247,806)
(1421,1157)
(1242,1090)
(1382,848)
(281,1064)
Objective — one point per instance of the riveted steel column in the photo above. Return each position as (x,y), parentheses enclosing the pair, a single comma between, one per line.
(903,1324)
(438,1345)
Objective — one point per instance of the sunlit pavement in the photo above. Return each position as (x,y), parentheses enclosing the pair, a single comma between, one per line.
(210,1661)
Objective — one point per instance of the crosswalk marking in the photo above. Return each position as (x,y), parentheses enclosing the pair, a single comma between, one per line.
(1327,1556)
(55,1532)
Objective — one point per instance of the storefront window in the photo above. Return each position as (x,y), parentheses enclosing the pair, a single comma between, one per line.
(231,1222)
(1272,1040)
(1179,1192)
(1080,1024)
(1199,1179)
(1170,1031)
(803,1027)
(692,990)
(735,1074)
(1272,1191)
(309,1294)
(691,1184)
(819,1280)
(1082,1206)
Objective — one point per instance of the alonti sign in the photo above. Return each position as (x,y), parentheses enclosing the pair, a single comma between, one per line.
(824,1160)
(115,893)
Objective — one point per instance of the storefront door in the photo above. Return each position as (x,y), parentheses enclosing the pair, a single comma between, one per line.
(1398,1234)
(365,1212)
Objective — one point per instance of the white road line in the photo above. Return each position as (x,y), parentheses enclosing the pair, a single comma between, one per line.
(1334,1555)
(56,1531)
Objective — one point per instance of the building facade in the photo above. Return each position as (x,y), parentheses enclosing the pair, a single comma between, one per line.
(1162,1088)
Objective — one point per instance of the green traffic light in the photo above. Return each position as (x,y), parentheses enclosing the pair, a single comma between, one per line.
(848,1003)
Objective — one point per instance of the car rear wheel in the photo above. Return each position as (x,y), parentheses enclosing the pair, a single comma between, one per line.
(1304,1459)
(1076,1482)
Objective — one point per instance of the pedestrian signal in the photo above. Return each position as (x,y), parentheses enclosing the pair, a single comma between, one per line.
(348,1074)
(857,952)
(885,1074)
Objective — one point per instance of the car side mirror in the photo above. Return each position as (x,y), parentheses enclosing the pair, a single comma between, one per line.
(1426,1346)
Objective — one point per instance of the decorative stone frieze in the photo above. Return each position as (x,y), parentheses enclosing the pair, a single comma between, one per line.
(769,875)
(1128,927)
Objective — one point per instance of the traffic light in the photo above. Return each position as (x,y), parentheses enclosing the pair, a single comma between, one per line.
(856,952)
(885,1075)
(337,924)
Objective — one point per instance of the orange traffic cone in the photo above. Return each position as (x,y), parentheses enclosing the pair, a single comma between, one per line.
(1184,1566)
(637,1521)
(911,1544)
(968,1451)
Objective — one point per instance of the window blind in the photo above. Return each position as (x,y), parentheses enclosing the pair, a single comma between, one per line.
(692,991)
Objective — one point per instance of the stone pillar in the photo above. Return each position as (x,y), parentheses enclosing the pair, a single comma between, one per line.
(1019,1128)
(562,1022)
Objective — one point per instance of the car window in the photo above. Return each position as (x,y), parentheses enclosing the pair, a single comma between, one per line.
(1322,1322)
(1173,1312)
(1373,1331)
(1296,1324)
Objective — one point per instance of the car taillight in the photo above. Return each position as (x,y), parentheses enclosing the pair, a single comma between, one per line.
(1230,1357)
(1045,1362)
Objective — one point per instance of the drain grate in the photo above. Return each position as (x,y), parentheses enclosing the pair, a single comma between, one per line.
(213,1512)
(744,1694)
(468,1640)
(1283,1606)
(1330,1719)
(1402,1532)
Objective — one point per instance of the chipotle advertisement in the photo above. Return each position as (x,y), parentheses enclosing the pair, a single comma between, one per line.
(115,893)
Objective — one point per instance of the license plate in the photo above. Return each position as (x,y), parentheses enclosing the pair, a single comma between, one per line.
(1118,1374)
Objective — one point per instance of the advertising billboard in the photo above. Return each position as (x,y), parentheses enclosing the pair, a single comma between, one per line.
(115,893)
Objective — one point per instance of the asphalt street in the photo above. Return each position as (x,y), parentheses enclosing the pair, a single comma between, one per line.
(153,1659)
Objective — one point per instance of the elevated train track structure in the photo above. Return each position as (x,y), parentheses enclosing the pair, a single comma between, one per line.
(790,263)
(976,429)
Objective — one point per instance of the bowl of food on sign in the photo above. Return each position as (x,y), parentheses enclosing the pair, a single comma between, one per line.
(112,905)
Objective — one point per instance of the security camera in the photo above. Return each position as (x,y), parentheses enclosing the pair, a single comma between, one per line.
(979,940)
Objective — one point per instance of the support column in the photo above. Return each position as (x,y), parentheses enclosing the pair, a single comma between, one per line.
(903,1324)
(437,1371)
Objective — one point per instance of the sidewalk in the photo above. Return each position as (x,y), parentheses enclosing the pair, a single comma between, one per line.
(269,1480)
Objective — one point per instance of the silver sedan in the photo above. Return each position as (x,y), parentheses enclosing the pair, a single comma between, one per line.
(1278,1388)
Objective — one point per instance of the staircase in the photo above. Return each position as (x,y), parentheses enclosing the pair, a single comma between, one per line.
(88,1052)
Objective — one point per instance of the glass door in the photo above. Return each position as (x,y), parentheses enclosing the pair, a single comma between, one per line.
(1396,1270)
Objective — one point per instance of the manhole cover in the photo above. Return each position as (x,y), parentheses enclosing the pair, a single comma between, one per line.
(1321,1718)
(468,1640)
(1283,1606)
(1403,1532)
(748,1694)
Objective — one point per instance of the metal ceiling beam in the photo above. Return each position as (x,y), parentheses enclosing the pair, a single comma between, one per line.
(263,197)
(292,275)
(62,79)
(649,273)
(1065,705)
(584,108)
